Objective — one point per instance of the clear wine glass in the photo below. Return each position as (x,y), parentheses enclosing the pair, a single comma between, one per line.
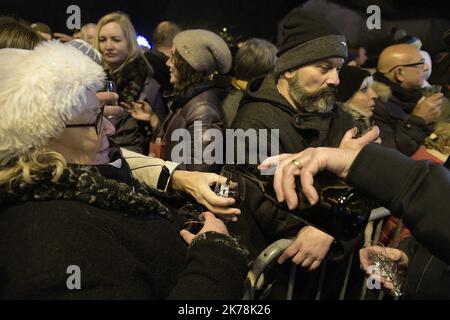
(110,86)
(386,268)
(234,187)
(363,125)
(429,91)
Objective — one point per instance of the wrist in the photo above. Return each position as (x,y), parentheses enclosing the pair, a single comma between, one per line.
(176,181)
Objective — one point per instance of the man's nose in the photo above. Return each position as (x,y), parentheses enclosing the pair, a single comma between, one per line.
(333,78)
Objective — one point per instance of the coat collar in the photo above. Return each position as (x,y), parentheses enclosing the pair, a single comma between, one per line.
(402,95)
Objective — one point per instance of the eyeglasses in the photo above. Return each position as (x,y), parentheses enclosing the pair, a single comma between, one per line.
(97,124)
(417,64)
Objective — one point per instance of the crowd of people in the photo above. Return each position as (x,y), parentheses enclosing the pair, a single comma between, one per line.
(90,175)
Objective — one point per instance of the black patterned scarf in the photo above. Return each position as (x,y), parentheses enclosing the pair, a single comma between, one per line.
(86,184)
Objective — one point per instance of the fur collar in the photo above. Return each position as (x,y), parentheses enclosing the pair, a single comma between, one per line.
(383,91)
(131,79)
(404,96)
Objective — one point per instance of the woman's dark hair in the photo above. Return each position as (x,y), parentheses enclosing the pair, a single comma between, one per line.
(188,76)
(16,35)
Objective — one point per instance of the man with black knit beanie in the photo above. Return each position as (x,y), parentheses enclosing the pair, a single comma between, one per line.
(299,100)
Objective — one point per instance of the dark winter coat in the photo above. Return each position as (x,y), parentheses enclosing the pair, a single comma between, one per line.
(399,128)
(135,82)
(122,242)
(262,222)
(198,104)
(428,277)
(418,192)
(264,108)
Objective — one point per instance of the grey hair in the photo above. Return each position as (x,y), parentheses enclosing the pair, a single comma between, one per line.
(255,58)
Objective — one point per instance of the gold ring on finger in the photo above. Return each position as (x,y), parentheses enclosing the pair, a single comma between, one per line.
(297,163)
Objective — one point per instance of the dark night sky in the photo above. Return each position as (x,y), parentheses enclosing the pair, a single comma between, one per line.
(248,17)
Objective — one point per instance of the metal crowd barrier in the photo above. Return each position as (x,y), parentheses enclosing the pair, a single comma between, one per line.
(257,275)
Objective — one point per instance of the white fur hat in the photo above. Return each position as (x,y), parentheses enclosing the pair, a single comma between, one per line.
(40,90)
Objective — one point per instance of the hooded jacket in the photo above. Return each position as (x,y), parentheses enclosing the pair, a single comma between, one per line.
(263,107)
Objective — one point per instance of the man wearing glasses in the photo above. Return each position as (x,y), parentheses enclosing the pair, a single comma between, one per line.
(404,115)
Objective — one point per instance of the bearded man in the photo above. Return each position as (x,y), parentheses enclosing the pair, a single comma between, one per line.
(299,100)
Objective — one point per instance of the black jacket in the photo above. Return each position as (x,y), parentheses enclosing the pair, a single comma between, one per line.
(198,104)
(399,128)
(263,222)
(428,277)
(415,190)
(135,82)
(263,107)
(418,192)
(122,254)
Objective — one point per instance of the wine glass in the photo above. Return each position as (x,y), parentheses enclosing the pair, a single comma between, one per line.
(111,111)
(234,187)
(386,268)
(363,125)
(190,213)
(110,86)
(429,91)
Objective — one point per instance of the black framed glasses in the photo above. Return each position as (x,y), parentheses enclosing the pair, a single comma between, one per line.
(97,124)
(417,64)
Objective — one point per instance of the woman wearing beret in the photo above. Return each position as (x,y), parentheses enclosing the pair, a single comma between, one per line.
(67,232)
(197,55)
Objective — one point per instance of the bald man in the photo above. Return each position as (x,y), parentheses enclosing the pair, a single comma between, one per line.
(404,116)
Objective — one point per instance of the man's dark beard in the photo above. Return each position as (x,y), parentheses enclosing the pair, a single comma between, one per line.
(320,101)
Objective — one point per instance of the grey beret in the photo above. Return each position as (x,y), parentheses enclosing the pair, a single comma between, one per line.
(204,50)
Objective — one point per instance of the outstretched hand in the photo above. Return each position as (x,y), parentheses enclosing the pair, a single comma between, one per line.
(141,110)
(198,185)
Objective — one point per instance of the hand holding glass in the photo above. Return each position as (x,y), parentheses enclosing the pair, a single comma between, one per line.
(429,91)
(387,269)
(363,125)
(234,187)
(191,216)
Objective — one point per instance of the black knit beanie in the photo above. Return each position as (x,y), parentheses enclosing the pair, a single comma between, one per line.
(308,37)
(350,79)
